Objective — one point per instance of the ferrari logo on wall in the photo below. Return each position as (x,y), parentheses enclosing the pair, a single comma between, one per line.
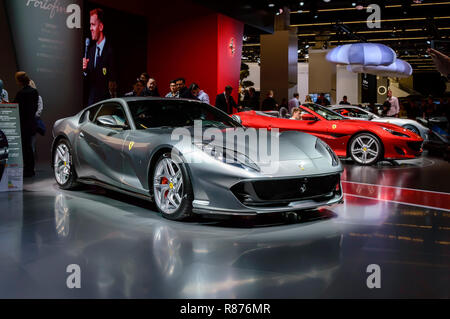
(232,46)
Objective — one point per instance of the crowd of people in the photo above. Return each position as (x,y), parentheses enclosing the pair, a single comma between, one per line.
(147,86)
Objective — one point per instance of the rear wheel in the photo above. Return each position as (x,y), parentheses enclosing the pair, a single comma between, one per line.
(63,165)
(365,149)
(172,188)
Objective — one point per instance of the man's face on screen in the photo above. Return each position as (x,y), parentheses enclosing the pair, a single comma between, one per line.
(96,28)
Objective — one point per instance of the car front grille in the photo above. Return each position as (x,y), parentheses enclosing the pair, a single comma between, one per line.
(284,191)
(415,146)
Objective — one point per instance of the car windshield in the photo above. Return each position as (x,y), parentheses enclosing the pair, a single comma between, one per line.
(323,111)
(177,113)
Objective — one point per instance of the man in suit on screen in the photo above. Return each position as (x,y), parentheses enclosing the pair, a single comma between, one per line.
(99,67)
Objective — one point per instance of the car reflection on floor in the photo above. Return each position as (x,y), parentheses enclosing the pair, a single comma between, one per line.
(126,250)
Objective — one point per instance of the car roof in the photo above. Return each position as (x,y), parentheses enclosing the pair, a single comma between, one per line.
(146,98)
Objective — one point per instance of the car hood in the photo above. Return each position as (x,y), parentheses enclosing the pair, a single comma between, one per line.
(280,154)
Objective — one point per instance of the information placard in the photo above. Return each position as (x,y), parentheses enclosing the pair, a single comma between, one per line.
(12,177)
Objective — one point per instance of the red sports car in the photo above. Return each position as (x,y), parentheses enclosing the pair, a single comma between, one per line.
(365,142)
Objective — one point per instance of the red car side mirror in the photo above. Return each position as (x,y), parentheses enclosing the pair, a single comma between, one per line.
(308,117)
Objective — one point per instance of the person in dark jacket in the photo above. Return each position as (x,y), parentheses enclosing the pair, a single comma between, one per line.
(151,89)
(225,101)
(253,99)
(99,67)
(183,90)
(269,103)
(27,98)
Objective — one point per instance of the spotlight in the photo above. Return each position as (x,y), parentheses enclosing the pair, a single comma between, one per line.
(353,4)
(326,1)
(428,42)
(302,4)
(307,46)
(271,5)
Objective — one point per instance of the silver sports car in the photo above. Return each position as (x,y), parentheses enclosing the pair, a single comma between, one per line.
(358,113)
(150,148)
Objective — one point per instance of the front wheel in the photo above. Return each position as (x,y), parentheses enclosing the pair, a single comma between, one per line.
(172,188)
(63,165)
(365,149)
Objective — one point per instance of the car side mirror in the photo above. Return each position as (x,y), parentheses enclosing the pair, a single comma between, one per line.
(110,122)
(237,118)
(309,117)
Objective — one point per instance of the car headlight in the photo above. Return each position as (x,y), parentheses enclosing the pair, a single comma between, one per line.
(395,132)
(228,156)
(321,144)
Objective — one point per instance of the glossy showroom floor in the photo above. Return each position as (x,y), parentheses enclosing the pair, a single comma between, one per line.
(127,251)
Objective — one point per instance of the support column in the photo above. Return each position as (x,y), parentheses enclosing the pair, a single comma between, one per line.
(322,74)
(279,59)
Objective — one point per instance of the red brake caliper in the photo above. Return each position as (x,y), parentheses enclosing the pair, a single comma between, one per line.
(165,181)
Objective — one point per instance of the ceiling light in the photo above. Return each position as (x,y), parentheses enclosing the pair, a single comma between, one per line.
(353,4)
(302,4)
(271,5)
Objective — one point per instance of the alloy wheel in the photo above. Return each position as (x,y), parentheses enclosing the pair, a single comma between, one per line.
(62,164)
(168,185)
(365,149)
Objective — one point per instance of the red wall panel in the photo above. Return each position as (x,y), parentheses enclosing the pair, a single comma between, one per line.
(182,43)
(230,32)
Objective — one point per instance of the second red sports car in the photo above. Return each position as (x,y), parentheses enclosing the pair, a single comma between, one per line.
(365,142)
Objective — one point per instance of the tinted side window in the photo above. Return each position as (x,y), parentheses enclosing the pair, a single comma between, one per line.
(92,112)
